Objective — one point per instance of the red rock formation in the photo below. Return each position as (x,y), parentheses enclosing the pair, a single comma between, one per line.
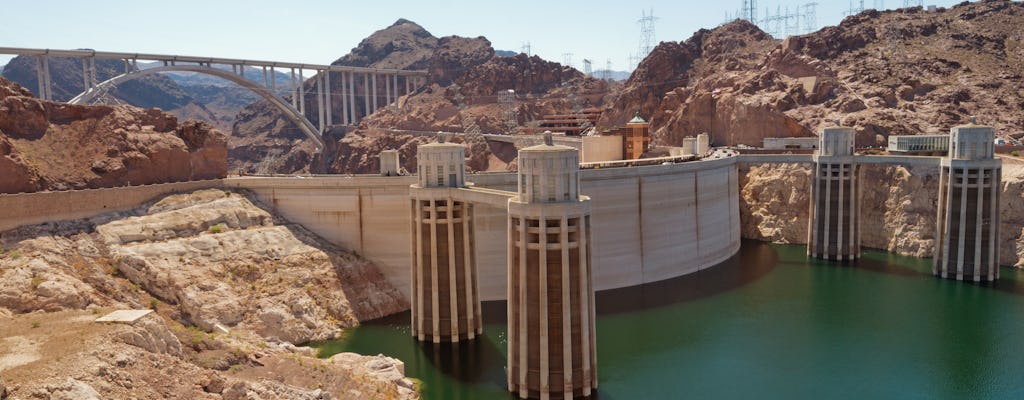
(55,146)
(894,72)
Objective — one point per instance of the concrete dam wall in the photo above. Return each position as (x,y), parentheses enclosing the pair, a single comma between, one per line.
(649,223)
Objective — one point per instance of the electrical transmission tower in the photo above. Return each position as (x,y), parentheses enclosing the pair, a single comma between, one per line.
(507,99)
(567,59)
(913,3)
(587,67)
(632,61)
(855,10)
(607,73)
(810,17)
(526,49)
(646,33)
(804,19)
(792,22)
(749,11)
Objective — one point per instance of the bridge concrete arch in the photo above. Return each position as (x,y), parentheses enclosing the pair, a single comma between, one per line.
(286,109)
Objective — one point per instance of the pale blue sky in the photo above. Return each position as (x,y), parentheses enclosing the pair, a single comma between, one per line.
(321,31)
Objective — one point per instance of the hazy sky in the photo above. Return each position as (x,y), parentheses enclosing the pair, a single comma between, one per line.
(321,31)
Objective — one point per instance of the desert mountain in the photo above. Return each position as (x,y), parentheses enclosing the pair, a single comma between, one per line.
(906,71)
(465,75)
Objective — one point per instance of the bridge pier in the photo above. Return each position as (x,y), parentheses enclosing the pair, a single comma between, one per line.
(967,227)
(344,101)
(445,294)
(375,93)
(551,341)
(394,88)
(366,94)
(834,232)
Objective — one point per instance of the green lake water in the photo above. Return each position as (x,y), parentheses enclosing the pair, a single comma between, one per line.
(767,323)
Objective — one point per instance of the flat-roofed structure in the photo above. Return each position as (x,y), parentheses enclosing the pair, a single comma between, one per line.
(918,144)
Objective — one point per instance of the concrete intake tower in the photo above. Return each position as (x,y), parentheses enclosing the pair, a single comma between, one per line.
(551,342)
(834,233)
(967,227)
(445,295)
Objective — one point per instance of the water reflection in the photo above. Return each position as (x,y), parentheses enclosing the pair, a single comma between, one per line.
(756,260)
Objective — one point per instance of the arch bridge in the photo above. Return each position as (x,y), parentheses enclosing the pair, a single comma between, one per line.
(292,103)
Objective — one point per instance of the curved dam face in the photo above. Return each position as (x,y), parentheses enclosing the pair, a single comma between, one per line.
(648,223)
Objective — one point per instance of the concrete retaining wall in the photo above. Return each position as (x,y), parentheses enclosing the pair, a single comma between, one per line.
(34,208)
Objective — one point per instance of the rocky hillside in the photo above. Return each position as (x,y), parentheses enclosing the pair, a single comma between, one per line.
(461,96)
(898,216)
(150,91)
(906,71)
(56,146)
(234,287)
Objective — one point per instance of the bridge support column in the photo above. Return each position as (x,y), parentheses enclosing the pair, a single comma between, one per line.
(327,97)
(394,86)
(295,92)
(302,93)
(446,297)
(41,78)
(320,98)
(344,101)
(352,97)
(834,232)
(273,80)
(366,93)
(967,227)
(551,340)
(374,89)
(387,91)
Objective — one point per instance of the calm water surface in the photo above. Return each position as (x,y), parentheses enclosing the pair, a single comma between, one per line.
(768,323)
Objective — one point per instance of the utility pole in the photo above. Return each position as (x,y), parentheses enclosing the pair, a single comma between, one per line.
(526,49)
(567,59)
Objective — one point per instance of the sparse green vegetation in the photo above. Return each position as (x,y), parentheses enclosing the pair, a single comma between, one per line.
(35,324)
(1015,153)
(198,335)
(15,254)
(153,303)
(215,228)
(36,281)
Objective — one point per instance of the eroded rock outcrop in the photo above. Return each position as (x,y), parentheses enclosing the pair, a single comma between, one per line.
(234,286)
(55,146)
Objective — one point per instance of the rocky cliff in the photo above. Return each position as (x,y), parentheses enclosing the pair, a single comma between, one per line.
(234,287)
(894,72)
(897,208)
(55,146)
